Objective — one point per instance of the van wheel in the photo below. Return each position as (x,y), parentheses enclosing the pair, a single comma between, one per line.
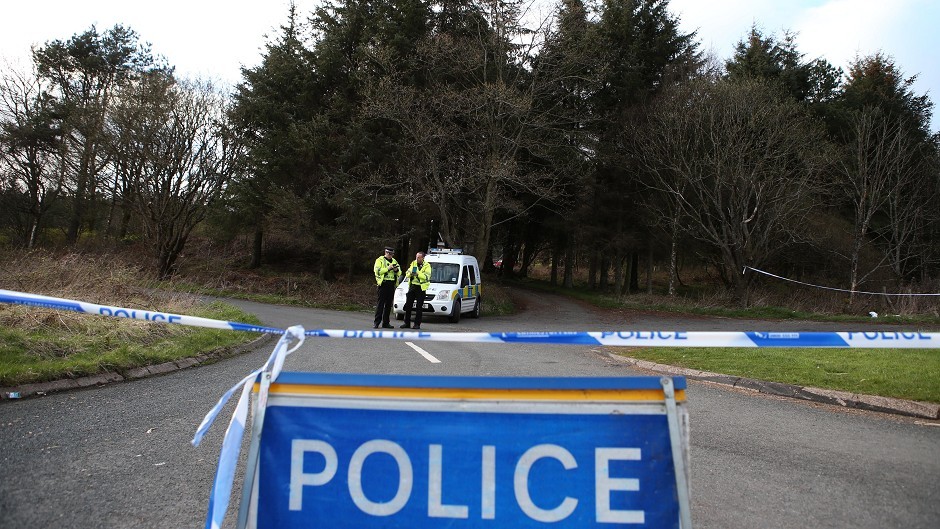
(399,317)
(455,315)
(478,308)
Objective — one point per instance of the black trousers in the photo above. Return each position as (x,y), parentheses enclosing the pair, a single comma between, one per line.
(383,307)
(413,301)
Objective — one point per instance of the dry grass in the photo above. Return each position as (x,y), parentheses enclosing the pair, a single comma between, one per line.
(44,344)
(102,279)
(701,290)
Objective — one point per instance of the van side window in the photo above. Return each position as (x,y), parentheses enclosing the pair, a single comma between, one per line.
(473,275)
(444,273)
(465,278)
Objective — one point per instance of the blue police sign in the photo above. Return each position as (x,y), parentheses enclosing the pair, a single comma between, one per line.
(362,451)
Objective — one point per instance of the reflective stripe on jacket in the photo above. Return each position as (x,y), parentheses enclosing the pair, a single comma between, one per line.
(383,271)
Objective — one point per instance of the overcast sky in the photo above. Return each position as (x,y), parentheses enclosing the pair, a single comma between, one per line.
(214,38)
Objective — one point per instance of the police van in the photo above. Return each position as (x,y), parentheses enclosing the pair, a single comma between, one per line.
(455,286)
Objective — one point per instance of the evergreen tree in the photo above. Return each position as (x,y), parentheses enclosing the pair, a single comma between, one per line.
(778,62)
(85,71)
(569,77)
(639,51)
(269,104)
(876,81)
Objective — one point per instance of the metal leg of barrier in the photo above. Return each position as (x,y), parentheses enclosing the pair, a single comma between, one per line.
(675,438)
(252,465)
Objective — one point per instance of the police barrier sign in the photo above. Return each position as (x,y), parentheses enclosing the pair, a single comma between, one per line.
(358,451)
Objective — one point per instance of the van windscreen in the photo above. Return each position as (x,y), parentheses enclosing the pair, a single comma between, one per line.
(444,273)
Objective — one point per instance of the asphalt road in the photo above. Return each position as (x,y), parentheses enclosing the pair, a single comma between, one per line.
(119,455)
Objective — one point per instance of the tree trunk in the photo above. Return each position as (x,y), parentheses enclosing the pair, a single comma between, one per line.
(31,240)
(592,271)
(78,213)
(486,229)
(634,272)
(553,280)
(569,265)
(603,272)
(741,290)
(628,271)
(853,268)
(169,253)
(673,251)
(256,247)
(125,221)
(618,275)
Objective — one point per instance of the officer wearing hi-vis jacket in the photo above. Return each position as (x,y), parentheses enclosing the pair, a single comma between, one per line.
(387,273)
(419,279)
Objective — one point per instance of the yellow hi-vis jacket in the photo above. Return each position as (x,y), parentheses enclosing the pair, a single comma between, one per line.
(419,274)
(383,270)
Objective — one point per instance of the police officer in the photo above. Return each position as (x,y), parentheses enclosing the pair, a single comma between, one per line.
(419,279)
(387,273)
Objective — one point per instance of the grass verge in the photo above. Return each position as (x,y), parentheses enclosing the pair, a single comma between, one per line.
(39,345)
(912,374)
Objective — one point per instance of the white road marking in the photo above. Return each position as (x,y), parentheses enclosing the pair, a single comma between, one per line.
(425,354)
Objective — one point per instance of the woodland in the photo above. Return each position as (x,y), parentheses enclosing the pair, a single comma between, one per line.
(597,144)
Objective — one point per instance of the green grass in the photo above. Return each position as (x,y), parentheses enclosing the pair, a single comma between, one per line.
(912,374)
(73,345)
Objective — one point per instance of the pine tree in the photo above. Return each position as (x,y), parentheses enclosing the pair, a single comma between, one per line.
(85,71)
(271,101)
(640,51)
(778,62)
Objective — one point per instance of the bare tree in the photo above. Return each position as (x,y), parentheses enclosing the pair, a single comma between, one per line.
(876,169)
(740,162)
(429,129)
(30,161)
(133,132)
(187,165)
(911,209)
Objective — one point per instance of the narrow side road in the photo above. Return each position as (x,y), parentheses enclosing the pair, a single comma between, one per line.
(119,455)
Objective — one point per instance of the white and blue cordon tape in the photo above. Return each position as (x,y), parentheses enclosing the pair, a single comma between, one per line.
(870,339)
(231,444)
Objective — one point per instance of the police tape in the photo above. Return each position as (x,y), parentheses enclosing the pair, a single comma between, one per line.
(48,302)
(622,338)
(895,294)
(221,493)
(223,481)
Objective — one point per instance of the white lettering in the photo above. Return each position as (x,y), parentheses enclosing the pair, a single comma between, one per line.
(435,488)
(604,484)
(405,477)
(521,483)
(299,447)
(488,487)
